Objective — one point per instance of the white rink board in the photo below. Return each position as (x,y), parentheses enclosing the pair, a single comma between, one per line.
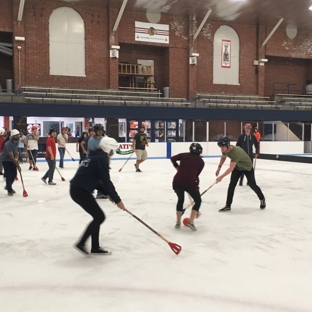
(210,149)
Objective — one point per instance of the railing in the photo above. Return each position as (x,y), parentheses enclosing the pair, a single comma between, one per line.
(288,88)
(135,69)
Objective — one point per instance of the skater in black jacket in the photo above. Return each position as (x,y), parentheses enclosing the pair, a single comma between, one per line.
(246,141)
(94,174)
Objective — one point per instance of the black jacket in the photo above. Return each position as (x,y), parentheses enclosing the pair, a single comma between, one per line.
(94,174)
(246,142)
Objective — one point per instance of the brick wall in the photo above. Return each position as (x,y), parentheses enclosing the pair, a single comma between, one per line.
(248,50)
(6,15)
(171,61)
(281,45)
(284,70)
(36,21)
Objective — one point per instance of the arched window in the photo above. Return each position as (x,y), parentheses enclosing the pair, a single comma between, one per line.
(226,56)
(67,43)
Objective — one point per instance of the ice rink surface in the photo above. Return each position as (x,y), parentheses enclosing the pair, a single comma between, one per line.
(246,260)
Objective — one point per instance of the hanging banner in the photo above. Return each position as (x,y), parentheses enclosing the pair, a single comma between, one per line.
(149,32)
(226,54)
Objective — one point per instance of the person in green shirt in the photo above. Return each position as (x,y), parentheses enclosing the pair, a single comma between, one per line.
(240,163)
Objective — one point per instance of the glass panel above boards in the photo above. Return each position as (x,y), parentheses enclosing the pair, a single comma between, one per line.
(134,127)
(156,130)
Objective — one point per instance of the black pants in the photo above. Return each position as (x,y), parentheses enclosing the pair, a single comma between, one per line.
(242,175)
(82,157)
(89,204)
(10,171)
(250,175)
(194,194)
(50,173)
(34,156)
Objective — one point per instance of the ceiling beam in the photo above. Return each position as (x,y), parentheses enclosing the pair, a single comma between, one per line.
(6,44)
(120,15)
(20,11)
(202,24)
(272,32)
(6,50)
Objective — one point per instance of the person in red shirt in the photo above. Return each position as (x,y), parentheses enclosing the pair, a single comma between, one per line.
(50,157)
(187,180)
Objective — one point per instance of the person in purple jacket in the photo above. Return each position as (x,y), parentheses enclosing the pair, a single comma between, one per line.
(187,180)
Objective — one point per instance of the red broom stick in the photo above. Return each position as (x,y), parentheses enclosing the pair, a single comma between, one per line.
(175,247)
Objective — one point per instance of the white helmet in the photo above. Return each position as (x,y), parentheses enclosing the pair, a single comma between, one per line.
(14,132)
(108,145)
(2,131)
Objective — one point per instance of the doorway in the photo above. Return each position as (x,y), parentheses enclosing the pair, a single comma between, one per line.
(6,59)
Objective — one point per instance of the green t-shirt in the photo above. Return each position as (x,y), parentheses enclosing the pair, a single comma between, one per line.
(238,155)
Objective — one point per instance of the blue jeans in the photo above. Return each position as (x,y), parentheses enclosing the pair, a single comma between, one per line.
(62,153)
(21,150)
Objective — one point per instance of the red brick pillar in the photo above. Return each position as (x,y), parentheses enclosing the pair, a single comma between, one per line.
(19,48)
(261,54)
(192,73)
(113,40)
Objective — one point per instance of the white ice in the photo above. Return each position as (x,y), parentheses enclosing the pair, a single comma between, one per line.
(241,261)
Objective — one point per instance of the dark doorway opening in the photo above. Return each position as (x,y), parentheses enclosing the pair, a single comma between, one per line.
(6,59)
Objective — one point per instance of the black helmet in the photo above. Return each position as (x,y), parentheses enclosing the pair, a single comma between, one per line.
(223,141)
(52,130)
(97,127)
(195,148)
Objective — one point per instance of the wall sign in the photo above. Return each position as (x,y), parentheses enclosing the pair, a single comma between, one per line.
(149,32)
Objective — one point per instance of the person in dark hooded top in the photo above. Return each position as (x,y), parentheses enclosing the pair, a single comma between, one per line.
(94,174)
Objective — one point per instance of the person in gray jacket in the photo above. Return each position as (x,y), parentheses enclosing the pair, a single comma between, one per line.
(9,159)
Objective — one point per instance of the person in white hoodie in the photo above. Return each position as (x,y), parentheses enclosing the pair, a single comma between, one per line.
(31,141)
(62,139)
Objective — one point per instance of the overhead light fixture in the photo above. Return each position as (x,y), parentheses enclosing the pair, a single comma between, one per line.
(310,8)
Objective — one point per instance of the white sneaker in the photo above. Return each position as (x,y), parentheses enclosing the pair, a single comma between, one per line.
(191,226)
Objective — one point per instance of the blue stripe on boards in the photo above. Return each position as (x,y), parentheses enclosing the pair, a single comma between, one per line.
(169,151)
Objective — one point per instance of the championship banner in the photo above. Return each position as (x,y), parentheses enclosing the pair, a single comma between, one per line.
(149,32)
(226,54)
